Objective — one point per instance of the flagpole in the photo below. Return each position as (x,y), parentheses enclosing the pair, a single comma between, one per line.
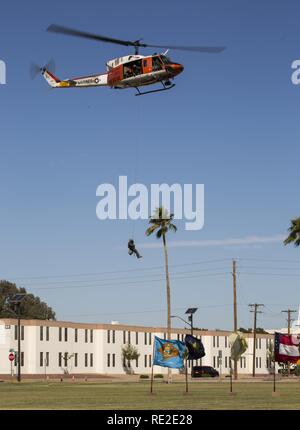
(186,376)
(274,379)
(151,386)
(230,375)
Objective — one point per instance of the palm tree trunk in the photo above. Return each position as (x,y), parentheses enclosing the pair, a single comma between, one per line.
(168,299)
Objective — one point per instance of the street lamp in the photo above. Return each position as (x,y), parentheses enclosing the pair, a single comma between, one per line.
(190,312)
(15,300)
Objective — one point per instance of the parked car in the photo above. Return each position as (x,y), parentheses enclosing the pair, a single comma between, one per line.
(204,371)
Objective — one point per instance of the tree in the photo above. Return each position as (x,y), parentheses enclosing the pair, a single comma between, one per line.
(161,223)
(129,353)
(31,306)
(294,236)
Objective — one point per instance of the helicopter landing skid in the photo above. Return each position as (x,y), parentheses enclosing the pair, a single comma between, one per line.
(165,88)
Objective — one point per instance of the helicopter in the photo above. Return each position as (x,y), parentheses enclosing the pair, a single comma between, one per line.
(130,71)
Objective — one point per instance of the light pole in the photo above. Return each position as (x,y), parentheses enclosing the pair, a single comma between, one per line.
(15,300)
(190,312)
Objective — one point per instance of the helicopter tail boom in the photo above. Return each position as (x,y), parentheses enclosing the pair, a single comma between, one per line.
(83,82)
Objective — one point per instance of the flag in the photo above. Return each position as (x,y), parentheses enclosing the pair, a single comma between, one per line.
(195,347)
(238,345)
(169,353)
(286,348)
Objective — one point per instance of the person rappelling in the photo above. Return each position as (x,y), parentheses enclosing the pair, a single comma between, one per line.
(132,249)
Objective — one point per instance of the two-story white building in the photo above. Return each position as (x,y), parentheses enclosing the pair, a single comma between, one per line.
(59,347)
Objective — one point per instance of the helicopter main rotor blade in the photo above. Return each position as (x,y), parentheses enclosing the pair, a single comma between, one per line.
(53,28)
(200,49)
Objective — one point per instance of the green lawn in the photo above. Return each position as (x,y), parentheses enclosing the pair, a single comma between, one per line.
(119,395)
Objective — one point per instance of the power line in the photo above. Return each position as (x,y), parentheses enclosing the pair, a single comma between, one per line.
(117,271)
(126,283)
(122,277)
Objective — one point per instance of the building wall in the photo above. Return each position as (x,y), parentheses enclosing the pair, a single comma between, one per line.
(97,348)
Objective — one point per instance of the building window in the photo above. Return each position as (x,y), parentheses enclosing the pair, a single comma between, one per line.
(150,360)
(91,336)
(129,337)
(178,336)
(218,341)
(108,360)
(225,362)
(22,359)
(145,341)
(226,339)
(85,336)
(47,333)
(66,359)
(41,333)
(260,362)
(136,338)
(137,362)
(145,362)
(114,360)
(214,361)
(47,359)
(66,334)
(108,336)
(165,336)
(114,336)
(16,332)
(60,334)
(91,360)
(41,359)
(76,359)
(124,337)
(214,341)
(150,338)
(59,359)
(256,362)
(86,360)
(124,361)
(259,343)
(76,335)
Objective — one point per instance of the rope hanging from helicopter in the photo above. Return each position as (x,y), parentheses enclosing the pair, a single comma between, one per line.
(131,242)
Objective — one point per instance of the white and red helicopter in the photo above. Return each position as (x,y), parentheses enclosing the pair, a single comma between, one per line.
(130,71)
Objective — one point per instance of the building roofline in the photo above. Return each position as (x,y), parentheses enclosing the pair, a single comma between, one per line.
(122,327)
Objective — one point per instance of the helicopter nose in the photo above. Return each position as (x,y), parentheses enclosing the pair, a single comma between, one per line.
(177,68)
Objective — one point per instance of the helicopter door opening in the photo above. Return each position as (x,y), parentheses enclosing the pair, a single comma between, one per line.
(132,69)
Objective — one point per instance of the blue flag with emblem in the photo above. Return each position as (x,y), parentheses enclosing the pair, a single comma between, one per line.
(169,353)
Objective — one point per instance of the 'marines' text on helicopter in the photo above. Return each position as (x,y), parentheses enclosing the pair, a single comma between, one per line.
(130,71)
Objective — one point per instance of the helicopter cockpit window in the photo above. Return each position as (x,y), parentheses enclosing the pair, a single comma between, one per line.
(165,59)
(156,64)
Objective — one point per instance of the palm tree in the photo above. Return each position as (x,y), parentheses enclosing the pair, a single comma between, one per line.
(161,223)
(294,236)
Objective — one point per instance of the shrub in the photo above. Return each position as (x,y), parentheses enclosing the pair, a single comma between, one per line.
(144,376)
(159,376)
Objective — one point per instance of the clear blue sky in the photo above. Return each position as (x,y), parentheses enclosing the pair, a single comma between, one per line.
(231,122)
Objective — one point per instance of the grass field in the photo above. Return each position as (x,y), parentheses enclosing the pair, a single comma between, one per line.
(202,395)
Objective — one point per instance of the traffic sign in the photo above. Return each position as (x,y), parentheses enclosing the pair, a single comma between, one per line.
(11,357)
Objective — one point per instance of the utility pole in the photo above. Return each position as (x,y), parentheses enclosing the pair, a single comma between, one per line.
(289,320)
(234,311)
(254,309)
